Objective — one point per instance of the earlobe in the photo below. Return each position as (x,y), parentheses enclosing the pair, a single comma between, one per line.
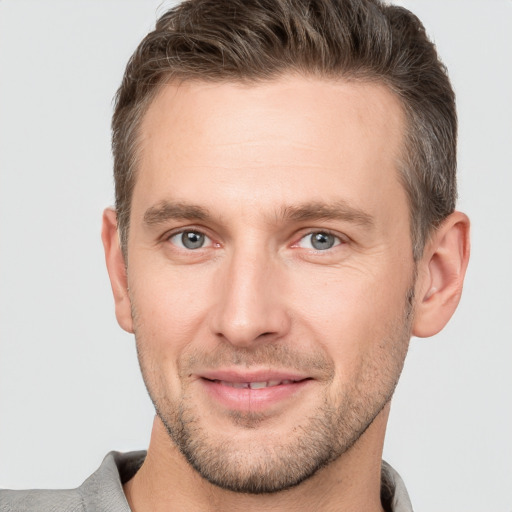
(116,269)
(441,275)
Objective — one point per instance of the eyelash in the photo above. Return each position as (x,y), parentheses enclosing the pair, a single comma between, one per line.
(189,230)
(338,240)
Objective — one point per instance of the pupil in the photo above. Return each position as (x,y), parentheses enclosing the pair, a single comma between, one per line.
(192,240)
(322,241)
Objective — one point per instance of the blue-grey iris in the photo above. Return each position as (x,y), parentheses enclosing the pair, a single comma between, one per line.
(322,241)
(192,239)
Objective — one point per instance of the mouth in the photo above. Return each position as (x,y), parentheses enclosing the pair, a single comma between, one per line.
(263,392)
(256,385)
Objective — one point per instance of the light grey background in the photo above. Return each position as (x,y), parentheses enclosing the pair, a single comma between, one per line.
(70,388)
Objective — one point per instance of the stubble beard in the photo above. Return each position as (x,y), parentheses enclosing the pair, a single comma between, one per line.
(257,467)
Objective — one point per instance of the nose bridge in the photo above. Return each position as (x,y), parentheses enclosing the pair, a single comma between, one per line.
(250,304)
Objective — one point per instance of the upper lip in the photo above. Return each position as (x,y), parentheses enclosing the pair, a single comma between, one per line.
(252,376)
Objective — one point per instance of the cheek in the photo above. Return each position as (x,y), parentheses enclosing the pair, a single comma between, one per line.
(353,313)
(169,309)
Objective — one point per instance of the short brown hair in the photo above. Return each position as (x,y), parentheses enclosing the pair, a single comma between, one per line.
(258,40)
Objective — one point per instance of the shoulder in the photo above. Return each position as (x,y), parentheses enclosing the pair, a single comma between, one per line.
(101,491)
(41,500)
(393,494)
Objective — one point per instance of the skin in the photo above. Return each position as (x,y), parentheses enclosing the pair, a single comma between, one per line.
(257,169)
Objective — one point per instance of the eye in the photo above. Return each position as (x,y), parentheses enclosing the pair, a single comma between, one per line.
(190,240)
(319,241)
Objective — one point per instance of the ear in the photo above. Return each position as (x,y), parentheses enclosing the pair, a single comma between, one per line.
(441,275)
(116,269)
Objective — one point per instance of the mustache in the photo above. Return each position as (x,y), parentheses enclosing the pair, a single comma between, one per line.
(271,355)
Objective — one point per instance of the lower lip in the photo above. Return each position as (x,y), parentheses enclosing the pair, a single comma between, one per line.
(246,399)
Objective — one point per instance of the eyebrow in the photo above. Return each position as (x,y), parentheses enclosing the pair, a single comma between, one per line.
(306,212)
(339,210)
(165,211)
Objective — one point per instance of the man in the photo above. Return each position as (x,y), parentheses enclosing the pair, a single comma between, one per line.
(284,222)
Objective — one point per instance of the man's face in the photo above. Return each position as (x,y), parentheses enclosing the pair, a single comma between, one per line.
(270,272)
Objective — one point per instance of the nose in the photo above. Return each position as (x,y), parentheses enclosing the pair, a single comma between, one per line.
(251,306)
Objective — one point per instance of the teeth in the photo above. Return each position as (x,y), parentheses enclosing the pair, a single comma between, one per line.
(240,385)
(255,385)
(259,385)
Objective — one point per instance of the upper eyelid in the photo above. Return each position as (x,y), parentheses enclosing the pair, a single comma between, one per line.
(339,240)
(182,229)
(311,231)
(170,233)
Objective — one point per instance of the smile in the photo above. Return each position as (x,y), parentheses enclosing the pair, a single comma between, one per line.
(255,385)
(263,393)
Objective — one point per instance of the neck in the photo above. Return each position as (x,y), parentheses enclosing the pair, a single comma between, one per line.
(166,481)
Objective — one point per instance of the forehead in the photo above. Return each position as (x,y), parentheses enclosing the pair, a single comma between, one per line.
(287,140)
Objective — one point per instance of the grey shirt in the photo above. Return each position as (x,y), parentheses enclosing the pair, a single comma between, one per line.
(103,490)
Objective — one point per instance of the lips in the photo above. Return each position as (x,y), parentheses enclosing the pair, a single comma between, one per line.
(253,391)
(255,385)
